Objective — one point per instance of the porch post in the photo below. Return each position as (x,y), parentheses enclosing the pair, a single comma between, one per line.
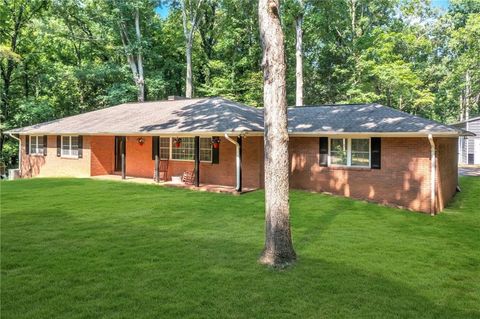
(122,150)
(157,173)
(197,161)
(239,164)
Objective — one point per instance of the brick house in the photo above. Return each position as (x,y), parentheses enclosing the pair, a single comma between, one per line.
(364,151)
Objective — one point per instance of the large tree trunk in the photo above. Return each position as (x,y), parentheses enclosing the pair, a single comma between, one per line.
(189,84)
(278,250)
(189,20)
(134,60)
(299,61)
(139,78)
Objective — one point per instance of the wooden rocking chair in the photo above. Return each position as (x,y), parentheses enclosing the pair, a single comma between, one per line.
(162,171)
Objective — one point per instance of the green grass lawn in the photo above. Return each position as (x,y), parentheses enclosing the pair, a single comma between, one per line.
(80,248)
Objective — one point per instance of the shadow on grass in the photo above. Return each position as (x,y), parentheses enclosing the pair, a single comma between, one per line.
(71,265)
(85,249)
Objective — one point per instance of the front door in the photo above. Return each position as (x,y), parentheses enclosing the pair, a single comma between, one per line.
(119,149)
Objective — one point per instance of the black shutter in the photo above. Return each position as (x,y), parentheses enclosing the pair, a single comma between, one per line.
(375,152)
(45,145)
(216,152)
(323,151)
(59,145)
(27,144)
(80,146)
(155,146)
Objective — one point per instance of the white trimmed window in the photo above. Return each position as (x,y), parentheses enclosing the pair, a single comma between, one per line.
(205,149)
(36,145)
(339,151)
(164,148)
(349,152)
(186,150)
(69,146)
(360,152)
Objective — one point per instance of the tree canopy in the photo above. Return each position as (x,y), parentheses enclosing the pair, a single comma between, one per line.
(64,57)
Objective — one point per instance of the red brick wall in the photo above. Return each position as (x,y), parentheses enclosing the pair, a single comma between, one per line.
(447,170)
(139,163)
(404,177)
(252,162)
(52,165)
(102,155)
(138,159)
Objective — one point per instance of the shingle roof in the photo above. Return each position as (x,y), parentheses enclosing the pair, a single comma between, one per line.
(220,115)
(360,118)
(179,116)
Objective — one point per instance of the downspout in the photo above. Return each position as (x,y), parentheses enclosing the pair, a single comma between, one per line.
(467,140)
(238,165)
(19,152)
(433,174)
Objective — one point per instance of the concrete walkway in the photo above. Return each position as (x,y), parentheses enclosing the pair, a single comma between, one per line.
(203,187)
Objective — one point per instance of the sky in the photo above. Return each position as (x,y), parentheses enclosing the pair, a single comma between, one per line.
(442,4)
(162,11)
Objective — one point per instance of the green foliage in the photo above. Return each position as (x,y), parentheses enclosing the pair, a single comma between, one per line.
(66,57)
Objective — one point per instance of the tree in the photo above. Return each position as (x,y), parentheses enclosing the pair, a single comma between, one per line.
(190,10)
(299,55)
(231,69)
(133,49)
(278,250)
(15,16)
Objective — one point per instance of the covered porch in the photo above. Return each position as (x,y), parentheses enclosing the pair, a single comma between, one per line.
(212,163)
(212,188)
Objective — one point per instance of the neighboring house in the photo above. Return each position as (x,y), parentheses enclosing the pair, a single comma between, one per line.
(368,151)
(469,146)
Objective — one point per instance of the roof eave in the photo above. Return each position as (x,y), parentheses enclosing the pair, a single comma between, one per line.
(255,133)
(376,134)
(193,133)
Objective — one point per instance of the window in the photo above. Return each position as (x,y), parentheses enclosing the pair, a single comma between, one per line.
(338,151)
(36,145)
(350,152)
(164,148)
(206,149)
(69,146)
(186,150)
(360,152)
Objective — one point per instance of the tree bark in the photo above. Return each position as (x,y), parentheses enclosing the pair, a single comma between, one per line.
(140,81)
(134,61)
(278,250)
(189,81)
(189,17)
(299,59)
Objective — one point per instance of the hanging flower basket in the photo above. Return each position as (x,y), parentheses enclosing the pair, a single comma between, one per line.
(177,142)
(216,142)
